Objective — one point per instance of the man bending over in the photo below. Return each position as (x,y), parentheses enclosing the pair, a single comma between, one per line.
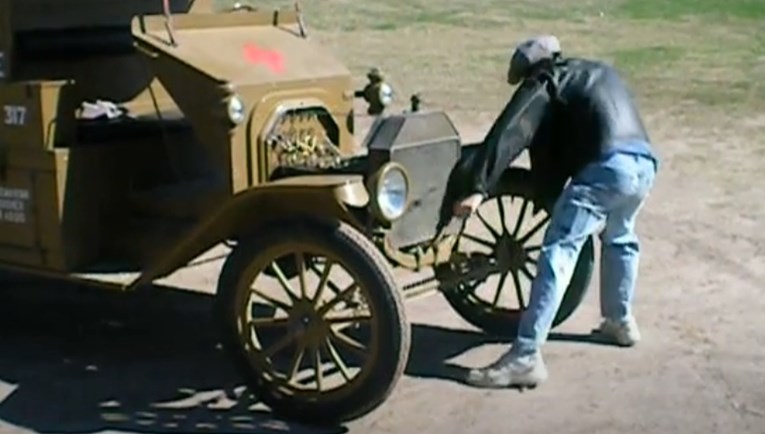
(591,155)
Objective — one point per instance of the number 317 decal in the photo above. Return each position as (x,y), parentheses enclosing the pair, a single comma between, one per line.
(15,115)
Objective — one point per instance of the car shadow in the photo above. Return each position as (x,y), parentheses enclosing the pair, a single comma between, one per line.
(75,359)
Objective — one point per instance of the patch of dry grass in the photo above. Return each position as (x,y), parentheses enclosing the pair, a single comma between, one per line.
(680,54)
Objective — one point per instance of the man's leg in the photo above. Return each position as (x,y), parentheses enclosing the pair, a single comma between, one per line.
(578,213)
(619,260)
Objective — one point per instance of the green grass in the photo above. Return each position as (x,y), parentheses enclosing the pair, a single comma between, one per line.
(675,9)
(351,15)
(634,60)
(347,15)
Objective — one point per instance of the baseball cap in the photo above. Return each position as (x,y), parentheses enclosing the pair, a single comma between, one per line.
(528,53)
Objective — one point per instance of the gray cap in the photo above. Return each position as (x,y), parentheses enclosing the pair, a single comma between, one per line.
(529,53)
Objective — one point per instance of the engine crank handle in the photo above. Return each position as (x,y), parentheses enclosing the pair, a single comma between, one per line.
(442,229)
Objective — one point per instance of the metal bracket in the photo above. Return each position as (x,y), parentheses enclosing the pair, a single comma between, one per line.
(301,23)
(169,22)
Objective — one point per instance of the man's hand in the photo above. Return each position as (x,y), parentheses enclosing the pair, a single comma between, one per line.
(467,206)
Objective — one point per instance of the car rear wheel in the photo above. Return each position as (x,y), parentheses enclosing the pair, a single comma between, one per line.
(495,260)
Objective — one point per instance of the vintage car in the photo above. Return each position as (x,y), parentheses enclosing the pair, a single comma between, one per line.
(138,135)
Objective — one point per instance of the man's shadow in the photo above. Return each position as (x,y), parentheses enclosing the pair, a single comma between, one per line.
(78,360)
(433,347)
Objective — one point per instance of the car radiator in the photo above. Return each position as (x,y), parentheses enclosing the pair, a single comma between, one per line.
(428,145)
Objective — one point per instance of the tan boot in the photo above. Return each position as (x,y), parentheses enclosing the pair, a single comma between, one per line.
(624,333)
(510,371)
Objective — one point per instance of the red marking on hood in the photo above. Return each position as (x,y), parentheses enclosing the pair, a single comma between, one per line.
(270,58)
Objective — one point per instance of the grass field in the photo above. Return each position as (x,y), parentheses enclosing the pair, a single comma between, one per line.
(701,57)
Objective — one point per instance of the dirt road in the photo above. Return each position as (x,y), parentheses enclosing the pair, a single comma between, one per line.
(97,362)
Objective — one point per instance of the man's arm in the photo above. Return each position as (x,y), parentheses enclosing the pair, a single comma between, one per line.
(511,133)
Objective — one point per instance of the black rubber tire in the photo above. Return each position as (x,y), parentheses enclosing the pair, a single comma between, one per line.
(360,257)
(504,322)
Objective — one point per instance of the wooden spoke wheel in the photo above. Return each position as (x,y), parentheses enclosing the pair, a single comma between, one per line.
(324,344)
(497,254)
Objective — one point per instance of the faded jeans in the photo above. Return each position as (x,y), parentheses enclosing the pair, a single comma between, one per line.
(609,194)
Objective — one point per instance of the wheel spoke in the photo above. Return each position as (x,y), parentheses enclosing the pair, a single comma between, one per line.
(501,210)
(313,377)
(268,322)
(338,298)
(284,282)
(518,290)
(479,240)
(531,249)
(281,344)
(521,215)
(332,286)
(327,282)
(491,229)
(350,343)
(300,261)
(531,262)
(296,360)
(534,230)
(347,319)
(317,369)
(337,360)
(500,287)
(322,282)
(527,273)
(274,302)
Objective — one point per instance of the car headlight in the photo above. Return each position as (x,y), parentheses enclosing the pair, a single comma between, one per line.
(235,109)
(390,189)
(385,94)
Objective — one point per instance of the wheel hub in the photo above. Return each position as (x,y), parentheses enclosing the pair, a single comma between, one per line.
(509,254)
(306,323)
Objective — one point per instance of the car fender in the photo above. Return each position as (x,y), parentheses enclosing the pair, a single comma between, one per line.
(326,196)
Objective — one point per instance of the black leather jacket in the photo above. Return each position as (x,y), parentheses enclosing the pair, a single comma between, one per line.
(567,115)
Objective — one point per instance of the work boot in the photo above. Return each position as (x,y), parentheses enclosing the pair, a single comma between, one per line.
(510,371)
(624,333)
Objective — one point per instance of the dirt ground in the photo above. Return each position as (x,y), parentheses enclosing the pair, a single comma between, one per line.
(77,361)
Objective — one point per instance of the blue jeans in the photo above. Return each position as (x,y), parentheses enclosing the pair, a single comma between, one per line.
(607,193)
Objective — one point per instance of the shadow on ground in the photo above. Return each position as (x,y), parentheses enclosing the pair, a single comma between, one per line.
(78,360)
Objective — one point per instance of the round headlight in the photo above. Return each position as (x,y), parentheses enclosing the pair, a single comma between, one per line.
(235,109)
(386,94)
(391,192)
